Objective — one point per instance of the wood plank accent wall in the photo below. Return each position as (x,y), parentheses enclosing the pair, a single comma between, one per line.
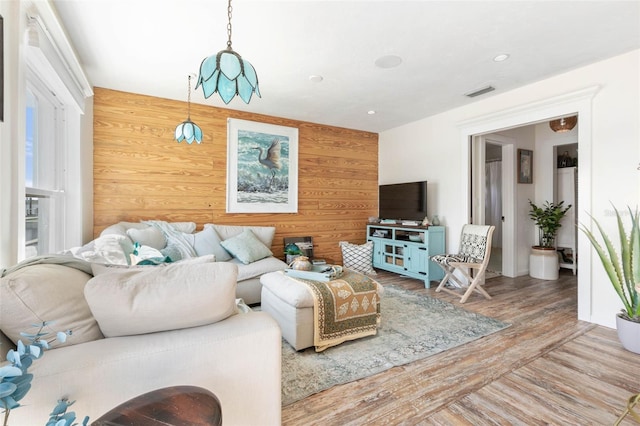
(141,173)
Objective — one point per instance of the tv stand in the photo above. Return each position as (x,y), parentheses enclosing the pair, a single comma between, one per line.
(406,250)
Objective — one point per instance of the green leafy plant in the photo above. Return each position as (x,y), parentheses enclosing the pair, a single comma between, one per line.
(623,270)
(15,381)
(547,218)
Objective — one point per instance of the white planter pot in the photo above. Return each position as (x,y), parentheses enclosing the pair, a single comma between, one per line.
(629,334)
(543,264)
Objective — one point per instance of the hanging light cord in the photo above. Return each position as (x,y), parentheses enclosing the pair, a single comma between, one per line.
(189,100)
(229,10)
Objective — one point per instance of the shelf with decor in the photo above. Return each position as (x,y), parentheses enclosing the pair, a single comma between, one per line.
(406,250)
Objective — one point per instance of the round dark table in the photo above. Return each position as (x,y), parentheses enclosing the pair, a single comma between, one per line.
(175,405)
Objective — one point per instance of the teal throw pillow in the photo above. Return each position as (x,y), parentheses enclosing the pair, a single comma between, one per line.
(246,247)
(207,241)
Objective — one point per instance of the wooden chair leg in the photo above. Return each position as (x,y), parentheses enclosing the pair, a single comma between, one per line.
(447,275)
(475,286)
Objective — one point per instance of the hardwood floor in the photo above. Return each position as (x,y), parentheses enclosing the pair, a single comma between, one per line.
(548,368)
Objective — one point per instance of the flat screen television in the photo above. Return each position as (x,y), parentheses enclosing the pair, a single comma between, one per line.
(403,201)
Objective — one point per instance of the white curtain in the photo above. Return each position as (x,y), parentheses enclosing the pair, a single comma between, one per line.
(493,201)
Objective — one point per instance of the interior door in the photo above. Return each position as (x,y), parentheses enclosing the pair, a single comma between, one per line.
(479,194)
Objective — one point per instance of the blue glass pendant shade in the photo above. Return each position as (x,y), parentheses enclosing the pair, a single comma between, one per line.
(188,131)
(229,75)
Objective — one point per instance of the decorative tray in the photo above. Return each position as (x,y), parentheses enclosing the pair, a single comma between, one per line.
(317,273)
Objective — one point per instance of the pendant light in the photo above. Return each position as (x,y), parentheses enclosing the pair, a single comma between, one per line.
(188,130)
(227,73)
(563,124)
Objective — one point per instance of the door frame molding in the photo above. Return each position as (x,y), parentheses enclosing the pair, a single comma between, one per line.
(576,102)
(509,260)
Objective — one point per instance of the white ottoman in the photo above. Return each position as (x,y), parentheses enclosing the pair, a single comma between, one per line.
(290,303)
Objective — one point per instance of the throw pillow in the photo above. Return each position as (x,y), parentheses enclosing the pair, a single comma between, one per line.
(358,257)
(121,228)
(47,292)
(207,242)
(130,301)
(264,233)
(186,227)
(150,236)
(246,247)
(108,248)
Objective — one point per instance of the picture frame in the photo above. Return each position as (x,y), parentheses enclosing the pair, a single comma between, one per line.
(525,166)
(305,245)
(262,167)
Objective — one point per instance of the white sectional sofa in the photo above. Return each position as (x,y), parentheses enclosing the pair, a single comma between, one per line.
(179,240)
(154,326)
(139,328)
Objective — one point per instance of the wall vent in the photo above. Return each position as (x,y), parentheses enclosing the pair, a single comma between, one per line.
(481,91)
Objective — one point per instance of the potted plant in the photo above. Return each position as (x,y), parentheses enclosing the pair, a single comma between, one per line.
(547,219)
(543,261)
(624,273)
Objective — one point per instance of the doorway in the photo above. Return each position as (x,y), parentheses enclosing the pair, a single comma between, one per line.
(493,203)
(578,102)
(493,198)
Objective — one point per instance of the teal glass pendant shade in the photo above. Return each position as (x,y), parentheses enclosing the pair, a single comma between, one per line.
(188,131)
(229,75)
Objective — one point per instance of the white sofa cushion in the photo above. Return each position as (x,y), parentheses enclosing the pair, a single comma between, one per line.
(235,359)
(149,236)
(129,301)
(47,292)
(259,267)
(121,228)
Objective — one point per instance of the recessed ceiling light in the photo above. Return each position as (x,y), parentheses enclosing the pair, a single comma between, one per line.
(316,78)
(389,61)
(501,57)
(371,112)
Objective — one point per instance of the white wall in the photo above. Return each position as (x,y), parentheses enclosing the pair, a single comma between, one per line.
(79,214)
(10,131)
(431,149)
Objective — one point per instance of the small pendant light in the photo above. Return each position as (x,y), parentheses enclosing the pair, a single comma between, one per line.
(188,130)
(563,124)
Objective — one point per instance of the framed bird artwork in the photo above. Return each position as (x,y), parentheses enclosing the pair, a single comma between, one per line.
(262,167)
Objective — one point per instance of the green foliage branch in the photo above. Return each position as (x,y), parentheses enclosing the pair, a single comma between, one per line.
(623,270)
(547,218)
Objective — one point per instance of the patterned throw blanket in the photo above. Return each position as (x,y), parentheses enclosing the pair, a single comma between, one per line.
(346,308)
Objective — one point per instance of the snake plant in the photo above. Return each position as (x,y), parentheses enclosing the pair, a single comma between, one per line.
(624,269)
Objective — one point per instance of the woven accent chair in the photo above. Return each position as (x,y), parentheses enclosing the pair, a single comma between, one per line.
(474,253)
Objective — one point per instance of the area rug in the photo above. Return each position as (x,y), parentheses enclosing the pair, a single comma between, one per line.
(413,327)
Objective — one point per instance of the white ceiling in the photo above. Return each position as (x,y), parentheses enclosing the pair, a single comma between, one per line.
(447,48)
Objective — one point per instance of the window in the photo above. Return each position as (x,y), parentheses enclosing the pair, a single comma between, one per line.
(44,170)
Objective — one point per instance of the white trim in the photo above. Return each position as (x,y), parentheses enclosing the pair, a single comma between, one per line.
(55,44)
(579,102)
